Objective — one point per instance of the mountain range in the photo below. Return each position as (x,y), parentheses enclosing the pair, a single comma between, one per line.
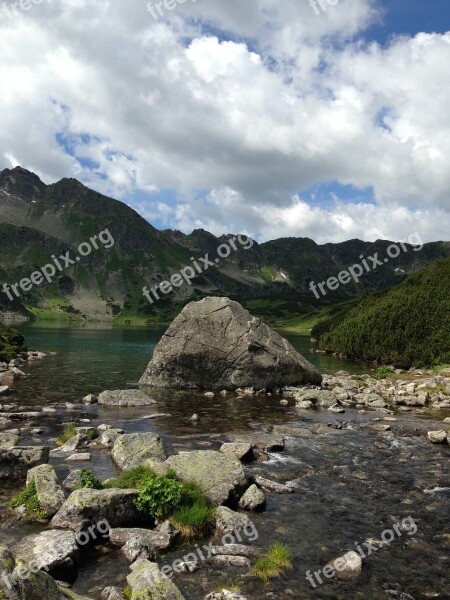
(273,279)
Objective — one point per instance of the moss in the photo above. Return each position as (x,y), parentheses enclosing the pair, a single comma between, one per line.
(28,498)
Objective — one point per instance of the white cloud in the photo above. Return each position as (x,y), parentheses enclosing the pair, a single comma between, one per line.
(283,100)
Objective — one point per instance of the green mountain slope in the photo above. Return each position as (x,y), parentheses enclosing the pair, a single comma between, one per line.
(38,221)
(409,325)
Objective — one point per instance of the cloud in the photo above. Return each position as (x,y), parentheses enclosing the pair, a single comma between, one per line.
(239,107)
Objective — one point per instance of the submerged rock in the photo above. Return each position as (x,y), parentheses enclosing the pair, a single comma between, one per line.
(347,566)
(224,595)
(15,462)
(217,344)
(125,398)
(134,449)
(220,476)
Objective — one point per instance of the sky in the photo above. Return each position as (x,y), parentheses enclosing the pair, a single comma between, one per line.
(272,118)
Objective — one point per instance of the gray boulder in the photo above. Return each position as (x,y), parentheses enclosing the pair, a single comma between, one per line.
(148,583)
(217,344)
(51,551)
(8,440)
(124,398)
(228,520)
(135,449)
(15,462)
(87,507)
(48,488)
(253,499)
(160,538)
(220,476)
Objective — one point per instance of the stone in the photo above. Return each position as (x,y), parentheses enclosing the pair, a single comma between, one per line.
(347,566)
(87,507)
(228,520)
(8,440)
(108,438)
(236,550)
(291,431)
(112,593)
(53,551)
(72,479)
(437,437)
(224,595)
(304,404)
(4,389)
(447,420)
(336,408)
(273,486)
(160,538)
(217,344)
(48,488)
(220,476)
(125,398)
(77,441)
(90,399)
(243,450)
(80,457)
(261,441)
(148,583)
(253,499)
(231,561)
(138,548)
(16,462)
(324,398)
(134,449)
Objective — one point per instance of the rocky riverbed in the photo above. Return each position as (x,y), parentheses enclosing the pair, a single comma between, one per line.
(321,469)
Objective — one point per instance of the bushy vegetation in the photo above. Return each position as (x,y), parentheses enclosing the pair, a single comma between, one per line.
(276,562)
(407,326)
(165,496)
(382,372)
(88,479)
(11,343)
(28,498)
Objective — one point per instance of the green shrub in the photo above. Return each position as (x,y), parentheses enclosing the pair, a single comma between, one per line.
(160,496)
(382,372)
(11,343)
(28,498)
(87,479)
(68,433)
(132,478)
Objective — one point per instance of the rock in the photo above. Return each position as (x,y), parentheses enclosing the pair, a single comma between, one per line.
(160,538)
(72,479)
(81,457)
(336,408)
(347,566)
(4,389)
(112,593)
(253,499)
(243,450)
(304,404)
(108,438)
(138,548)
(20,580)
(194,418)
(381,428)
(8,440)
(228,520)
(90,399)
(148,583)
(53,551)
(261,441)
(324,398)
(231,561)
(291,431)
(77,441)
(224,595)
(437,437)
(48,488)
(236,550)
(220,476)
(217,344)
(134,449)
(16,462)
(125,398)
(273,486)
(87,507)
(188,567)
(447,420)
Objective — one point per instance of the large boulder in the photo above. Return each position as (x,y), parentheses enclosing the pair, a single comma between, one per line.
(135,449)
(15,462)
(148,583)
(53,551)
(217,344)
(48,488)
(87,508)
(220,476)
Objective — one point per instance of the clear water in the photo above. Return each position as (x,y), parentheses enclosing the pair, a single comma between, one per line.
(352,484)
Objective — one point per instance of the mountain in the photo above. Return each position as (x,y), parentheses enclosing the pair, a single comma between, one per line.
(39,221)
(408,325)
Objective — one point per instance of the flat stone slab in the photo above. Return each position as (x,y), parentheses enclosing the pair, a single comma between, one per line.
(8,440)
(134,449)
(50,550)
(15,462)
(125,398)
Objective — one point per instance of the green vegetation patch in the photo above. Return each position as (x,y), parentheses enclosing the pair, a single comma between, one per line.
(11,343)
(88,479)
(275,563)
(68,433)
(28,498)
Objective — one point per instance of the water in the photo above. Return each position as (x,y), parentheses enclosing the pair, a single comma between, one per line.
(352,484)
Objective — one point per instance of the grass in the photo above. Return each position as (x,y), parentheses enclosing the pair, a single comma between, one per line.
(131,479)
(68,433)
(275,563)
(194,521)
(382,372)
(28,498)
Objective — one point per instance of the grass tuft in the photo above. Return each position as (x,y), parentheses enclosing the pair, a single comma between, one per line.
(28,498)
(68,433)
(132,478)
